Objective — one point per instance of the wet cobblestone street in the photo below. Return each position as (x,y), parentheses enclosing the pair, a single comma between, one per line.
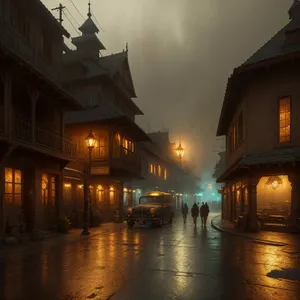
(173,262)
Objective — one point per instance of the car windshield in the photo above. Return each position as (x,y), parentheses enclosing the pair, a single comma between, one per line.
(151,199)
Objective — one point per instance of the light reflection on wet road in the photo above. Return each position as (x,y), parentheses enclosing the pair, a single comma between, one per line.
(173,262)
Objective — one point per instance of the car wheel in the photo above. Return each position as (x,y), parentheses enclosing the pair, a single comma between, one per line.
(130,223)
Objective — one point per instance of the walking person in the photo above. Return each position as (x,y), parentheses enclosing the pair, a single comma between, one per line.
(184,211)
(206,213)
(202,212)
(195,213)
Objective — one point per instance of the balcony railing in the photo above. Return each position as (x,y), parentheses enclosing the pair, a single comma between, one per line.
(100,153)
(22,130)
(124,154)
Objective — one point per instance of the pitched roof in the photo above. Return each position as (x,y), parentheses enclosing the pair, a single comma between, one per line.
(276,156)
(51,18)
(89,27)
(276,46)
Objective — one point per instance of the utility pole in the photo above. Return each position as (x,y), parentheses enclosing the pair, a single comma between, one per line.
(60,8)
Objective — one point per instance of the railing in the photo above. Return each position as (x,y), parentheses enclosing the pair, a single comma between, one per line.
(124,154)
(22,130)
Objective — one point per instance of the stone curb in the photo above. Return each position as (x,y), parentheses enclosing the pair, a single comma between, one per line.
(275,243)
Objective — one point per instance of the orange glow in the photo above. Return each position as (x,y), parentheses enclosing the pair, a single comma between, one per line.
(271,198)
(67,185)
(159,171)
(285,120)
(112,195)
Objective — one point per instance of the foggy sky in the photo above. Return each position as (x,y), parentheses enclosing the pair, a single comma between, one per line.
(181,54)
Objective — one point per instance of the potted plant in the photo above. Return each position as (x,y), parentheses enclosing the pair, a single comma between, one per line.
(64,224)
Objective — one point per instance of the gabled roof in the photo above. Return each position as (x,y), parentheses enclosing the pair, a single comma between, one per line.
(277,49)
(89,27)
(89,39)
(276,46)
(114,63)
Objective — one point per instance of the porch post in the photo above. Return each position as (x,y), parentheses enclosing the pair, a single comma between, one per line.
(242,195)
(121,202)
(234,195)
(252,223)
(8,116)
(294,179)
(229,202)
(34,96)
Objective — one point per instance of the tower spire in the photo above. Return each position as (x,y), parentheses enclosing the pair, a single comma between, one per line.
(89,13)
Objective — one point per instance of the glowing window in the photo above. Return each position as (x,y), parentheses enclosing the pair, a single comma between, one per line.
(100,193)
(159,170)
(112,196)
(13,186)
(285,120)
(165,174)
(118,138)
(67,193)
(151,168)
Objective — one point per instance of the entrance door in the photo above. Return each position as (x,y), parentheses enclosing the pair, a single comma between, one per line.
(49,201)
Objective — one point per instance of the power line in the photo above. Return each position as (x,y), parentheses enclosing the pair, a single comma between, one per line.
(71,23)
(77,9)
(73,17)
(97,21)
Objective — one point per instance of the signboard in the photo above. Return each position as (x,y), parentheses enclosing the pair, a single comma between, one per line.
(100,171)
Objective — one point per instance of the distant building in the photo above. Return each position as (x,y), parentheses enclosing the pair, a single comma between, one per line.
(220,165)
(260,120)
(33,148)
(104,86)
(162,171)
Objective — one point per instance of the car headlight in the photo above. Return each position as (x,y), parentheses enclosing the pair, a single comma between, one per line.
(129,211)
(152,211)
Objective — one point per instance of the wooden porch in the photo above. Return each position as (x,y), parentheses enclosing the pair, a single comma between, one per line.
(24,133)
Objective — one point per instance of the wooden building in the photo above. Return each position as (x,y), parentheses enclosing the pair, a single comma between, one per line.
(104,86)
(260,120)
(33,147)
(162,171)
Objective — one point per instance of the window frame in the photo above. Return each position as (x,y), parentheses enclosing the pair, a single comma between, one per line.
(278,120)
(13,187)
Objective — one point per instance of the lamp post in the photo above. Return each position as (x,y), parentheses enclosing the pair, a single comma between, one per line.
(180,152)
(90,142)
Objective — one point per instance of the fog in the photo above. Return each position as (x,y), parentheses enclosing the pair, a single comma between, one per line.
(181,53)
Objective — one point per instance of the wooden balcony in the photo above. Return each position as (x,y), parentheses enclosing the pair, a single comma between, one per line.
(41,139)
(119,161)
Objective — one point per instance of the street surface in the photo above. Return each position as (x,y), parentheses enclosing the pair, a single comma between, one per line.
(173,262)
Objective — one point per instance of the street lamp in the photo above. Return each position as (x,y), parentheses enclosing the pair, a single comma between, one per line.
(90,142)
(180,151)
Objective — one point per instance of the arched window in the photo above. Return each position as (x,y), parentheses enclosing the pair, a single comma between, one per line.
(100,193)
(112,196)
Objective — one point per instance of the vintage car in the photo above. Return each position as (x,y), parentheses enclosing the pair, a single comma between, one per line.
(154,207)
